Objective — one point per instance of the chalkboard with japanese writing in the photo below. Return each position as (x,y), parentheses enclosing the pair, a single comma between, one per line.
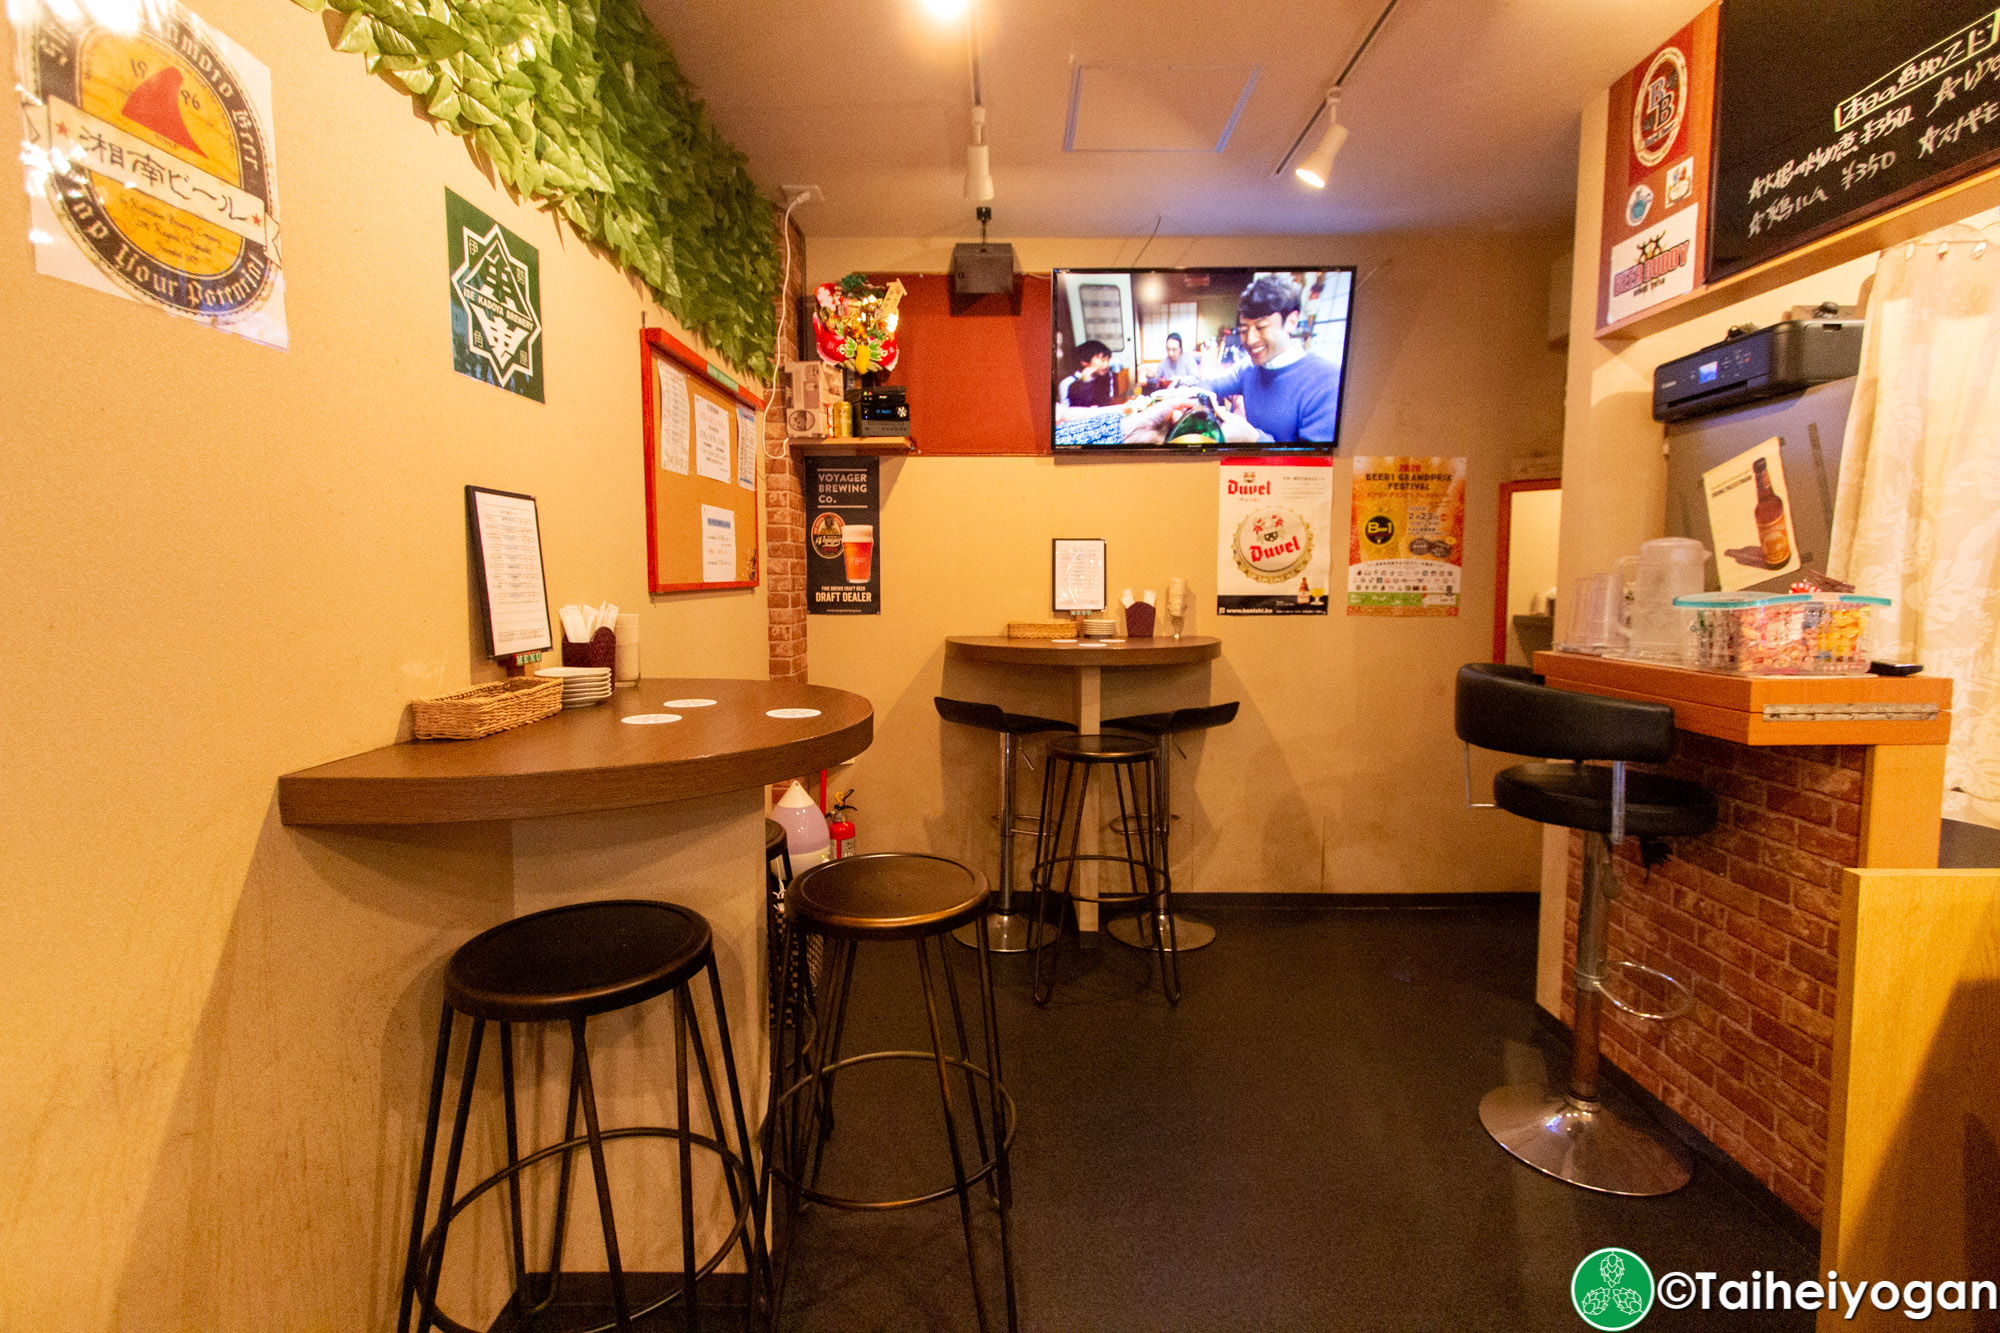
(1828,113)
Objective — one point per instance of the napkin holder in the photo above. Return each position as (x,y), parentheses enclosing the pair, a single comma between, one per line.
(601,650)
(1139,620)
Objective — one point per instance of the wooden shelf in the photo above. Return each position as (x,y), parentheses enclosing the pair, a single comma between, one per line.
(855,446)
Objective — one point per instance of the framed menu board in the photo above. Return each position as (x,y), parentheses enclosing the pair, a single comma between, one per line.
(1829,113)
(702,437)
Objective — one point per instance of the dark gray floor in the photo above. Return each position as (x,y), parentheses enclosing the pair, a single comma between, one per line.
(1295,1147)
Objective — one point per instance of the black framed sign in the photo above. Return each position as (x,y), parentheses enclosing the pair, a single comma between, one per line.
(1829,113)
(1077,575)
(507,551)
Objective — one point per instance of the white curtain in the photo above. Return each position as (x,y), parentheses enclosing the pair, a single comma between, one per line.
(1917,519)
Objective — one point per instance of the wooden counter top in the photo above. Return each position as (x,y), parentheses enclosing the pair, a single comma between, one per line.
(586,759)
(1107,653)
(1734,708)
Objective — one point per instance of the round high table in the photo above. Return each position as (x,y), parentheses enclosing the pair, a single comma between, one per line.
(1087,660)
(581,806)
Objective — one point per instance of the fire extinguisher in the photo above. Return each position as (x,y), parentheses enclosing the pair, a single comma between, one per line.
(840,825)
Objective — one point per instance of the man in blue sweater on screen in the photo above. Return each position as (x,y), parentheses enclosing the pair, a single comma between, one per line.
(1289,395)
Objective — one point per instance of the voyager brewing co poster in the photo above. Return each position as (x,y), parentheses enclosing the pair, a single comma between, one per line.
(843,530)
(151,164)
(1273,537)
(1406,544)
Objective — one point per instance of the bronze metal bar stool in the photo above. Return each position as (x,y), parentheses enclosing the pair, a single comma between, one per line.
(565,965)
(1573,1134)
(892,898)
(1006,929)
(1132,761)
(1140,929)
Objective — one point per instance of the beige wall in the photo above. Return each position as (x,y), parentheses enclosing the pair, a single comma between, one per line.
(1341,774)
(1614,464)
(224,562)
(1532,539)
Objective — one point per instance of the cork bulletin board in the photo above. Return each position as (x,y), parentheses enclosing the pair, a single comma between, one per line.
(701,450)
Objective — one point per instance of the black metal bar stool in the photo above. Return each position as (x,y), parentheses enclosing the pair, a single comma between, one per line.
(1006,929)
(565,965)
(890,898)
(1133,764)
(1139,929)
(1572,1134)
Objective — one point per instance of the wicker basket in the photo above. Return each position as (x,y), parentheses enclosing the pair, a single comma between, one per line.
(485,709)
(1041,629)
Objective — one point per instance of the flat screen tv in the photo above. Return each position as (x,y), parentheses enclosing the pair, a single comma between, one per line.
(1202,360)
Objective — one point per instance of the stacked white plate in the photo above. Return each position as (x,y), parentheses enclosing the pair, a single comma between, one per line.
(582,686)
(1100,627)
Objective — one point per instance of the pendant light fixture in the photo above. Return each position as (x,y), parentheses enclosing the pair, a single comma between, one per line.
(1317,166)
(979,163)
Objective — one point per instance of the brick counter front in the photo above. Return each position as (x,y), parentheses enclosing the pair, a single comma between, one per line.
(1747,916)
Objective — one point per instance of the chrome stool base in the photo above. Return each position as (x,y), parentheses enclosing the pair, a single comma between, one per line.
(1139,929)
(1006,932)
(1587,1143)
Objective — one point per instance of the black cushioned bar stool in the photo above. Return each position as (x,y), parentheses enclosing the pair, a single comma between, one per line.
(887,898)
(1132,761)
(1572,1134)
(1006,929)
(566,965)
(1139,929)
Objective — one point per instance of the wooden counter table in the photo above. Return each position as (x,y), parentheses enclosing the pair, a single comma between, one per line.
(1801,1056)
(575,807)
(1903,721)
(585,759)
(1088,660)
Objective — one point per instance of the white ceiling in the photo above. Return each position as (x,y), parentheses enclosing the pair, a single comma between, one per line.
(1464,112)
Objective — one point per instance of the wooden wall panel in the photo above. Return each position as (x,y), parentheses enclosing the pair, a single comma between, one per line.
(979,382)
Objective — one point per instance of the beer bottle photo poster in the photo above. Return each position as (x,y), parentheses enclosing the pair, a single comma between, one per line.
(1750,518)
(843,533)
(1406,543)
(1274,537)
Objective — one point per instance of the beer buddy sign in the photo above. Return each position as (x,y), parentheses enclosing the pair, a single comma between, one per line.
(1656,174)
(843,536)
(150,163)
(496,301)
(1406,546)
(1273,544)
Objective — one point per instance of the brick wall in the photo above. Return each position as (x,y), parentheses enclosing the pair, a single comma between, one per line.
(784,504)
(1748,917)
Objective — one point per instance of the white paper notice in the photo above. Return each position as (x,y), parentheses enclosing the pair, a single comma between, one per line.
(711,439)
(718,545)
(510,545)
(746,448)
(1079,581)
(673,422)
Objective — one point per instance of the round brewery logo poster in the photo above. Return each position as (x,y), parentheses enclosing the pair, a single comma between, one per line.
(150,164)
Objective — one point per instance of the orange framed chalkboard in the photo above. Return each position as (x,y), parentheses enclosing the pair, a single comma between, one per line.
(703,436)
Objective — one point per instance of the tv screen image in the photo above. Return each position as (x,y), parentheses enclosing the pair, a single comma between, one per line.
(1212,360)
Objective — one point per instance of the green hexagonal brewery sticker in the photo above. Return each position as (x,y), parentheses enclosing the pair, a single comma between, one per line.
(1612,1289)
(496,301)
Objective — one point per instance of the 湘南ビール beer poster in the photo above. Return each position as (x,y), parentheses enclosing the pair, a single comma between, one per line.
(843,555)
(1273,538)
(151,166)
(1406,544)
(496,304)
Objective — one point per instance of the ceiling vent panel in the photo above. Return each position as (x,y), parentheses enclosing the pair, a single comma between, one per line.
(1156,108)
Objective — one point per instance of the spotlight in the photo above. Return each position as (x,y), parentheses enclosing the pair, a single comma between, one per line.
(947,11)
(1318,165)
(978,163)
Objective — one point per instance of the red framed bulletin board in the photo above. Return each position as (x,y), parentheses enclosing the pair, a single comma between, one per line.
(701,528)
